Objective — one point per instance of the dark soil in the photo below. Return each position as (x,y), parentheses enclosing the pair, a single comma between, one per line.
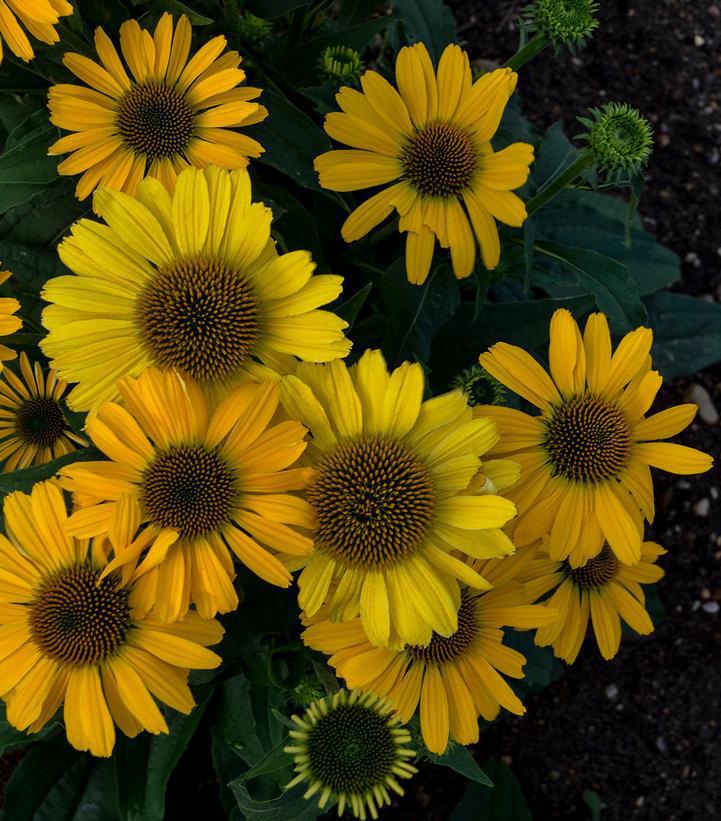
(644,730)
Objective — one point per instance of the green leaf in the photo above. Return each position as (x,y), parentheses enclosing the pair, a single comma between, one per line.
(504,801)
(459,759)
(593,802)
(353,11)
(427,21)
(290,804)
(54,782)
(525,323)
(291,141)
(541,668)
(415,312)
(555,153)
(176,7)
(350,309)
(598,222)
(615,291)
(270,9)
(12,739)
(686,333)
(25,167)
(296,224)
(25,478)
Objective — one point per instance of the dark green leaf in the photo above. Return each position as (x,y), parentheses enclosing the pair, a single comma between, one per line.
(687,333)
(541,668)
(270,9)
(555,153)
(427,21)
(291,140)
(12,739)
(25,167)
(593,802)
(290,804)
(349,309)
(459,759)
(609,281)
(354,11)
(295,224)
(176,7)
(416,312)
(504,801)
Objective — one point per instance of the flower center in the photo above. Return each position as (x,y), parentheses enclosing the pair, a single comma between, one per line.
(373,501)
(439,160)
(40,421)
(587,440)
(155,120)
(76,619)
(446,649)
(199,317)
(190,489)
(351,749)
(596,572)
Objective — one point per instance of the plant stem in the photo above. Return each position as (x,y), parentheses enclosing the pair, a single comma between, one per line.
(574,170)
(533,47)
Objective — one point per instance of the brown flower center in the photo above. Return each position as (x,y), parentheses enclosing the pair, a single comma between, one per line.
(373,501)
(155,120)
(190,489)
(439,160)
(76,619)
(596,572)
(40,421)
(587,440)
(446,649)
(200,318)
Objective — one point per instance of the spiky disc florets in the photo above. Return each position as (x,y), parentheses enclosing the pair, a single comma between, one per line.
(340,65)
(480,387)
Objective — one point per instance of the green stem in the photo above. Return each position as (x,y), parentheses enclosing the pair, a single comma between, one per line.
(533,47)
(563,180)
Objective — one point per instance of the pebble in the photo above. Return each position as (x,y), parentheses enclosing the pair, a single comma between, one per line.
(702,507)
(698,40)
(706,408)
(714,10)
(711,607)
(661,744)
(611,692)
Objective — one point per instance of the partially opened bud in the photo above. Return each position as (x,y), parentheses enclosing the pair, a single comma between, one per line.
(564,22)
(620,139)
(479,386)
(340,65)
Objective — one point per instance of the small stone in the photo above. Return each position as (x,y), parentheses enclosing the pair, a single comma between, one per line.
(714,492)
(714,10)
(706,408)
(684,484)
(693,259)
(698,40)
(611,692)
(710,607)
(661,744)
(702,507)
(640,801)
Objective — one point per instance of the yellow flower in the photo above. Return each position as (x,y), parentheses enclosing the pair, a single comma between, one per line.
(432,140)
(585,459)
(38,16)
(189,281)
(603,589)
(189,487)
(70,636)
(173,112)
(350,748)
(9,323)
(454,678)
(389,494)
(33,428)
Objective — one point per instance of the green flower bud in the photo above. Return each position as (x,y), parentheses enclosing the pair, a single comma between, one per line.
(340,65)
(563,22)
(620,139)
(252,29)
(479,386)
(307,691)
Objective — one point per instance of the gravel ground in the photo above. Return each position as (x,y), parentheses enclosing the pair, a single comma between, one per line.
(642,731)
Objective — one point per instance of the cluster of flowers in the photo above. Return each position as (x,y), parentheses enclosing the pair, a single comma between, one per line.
(234,431)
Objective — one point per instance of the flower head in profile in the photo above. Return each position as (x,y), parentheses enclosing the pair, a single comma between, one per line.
(189,281)
(33,427)
(9,322)
(603,591)
(170,112)
(350,748)
(396,491)
(39,17)
(586,458)
(72,638)
(429,144)
(186,489)
(455,678)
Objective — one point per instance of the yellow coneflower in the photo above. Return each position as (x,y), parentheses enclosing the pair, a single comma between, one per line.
(185,488)
(71,637)
(454,678)
(585,459)
(392,499)
(9,323)
(39,17)
(432,139)
(189,281)
(33,427)
(603,590)
(173,112)
(350,748)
